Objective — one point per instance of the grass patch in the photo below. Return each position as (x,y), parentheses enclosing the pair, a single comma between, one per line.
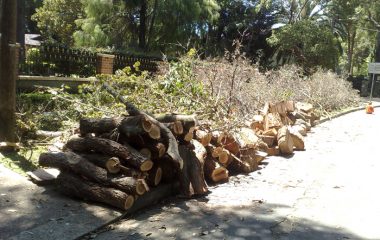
(22,161)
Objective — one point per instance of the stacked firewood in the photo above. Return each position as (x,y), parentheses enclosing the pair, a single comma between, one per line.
(283,125)
(117,160)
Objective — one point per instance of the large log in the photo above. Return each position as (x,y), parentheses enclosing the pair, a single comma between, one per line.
(260,156)
(115,165)
(269,140)
(70,161)
(153,150)
(176,127)
(257,123)
(213,171)
(229,142)
(273,151)
(248,155)
(282,107)
(284,140)
(298,140)
(125,152)
(133,126)
(304,107)
(169,171)
(246,138)
(191,177)
(237,166)
(188,121)
(130,185)
(75,186)
(203,136)
(154,176)
(103,161)
(272,120)
(98,126)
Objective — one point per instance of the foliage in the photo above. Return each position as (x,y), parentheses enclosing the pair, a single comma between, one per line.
(55,19)
(305,43)
(92,30)
(244,89)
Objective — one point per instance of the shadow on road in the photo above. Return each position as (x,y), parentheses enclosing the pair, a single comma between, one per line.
(195,220)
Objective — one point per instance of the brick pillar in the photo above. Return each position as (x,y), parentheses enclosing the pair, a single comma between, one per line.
(104,63)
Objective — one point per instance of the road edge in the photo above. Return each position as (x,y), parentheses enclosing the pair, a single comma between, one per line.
(342,114)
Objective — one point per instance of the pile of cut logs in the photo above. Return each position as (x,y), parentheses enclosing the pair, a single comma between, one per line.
(117,160)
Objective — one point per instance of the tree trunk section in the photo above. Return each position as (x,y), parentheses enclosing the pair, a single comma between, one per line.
(284,140)
(142,26)
(70,161)
(188,121)
(176,127)
(203,136)
(192,175)
(136,126)
(125,152)
(169,171)
(98,126)
(214,172)
(8,71)
(75,186)
(154,176)
(130,185)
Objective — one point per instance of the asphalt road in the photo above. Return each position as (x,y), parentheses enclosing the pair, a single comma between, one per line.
(329,191)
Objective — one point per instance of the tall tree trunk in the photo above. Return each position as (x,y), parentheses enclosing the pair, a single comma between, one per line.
(21,22)
(142,27)
(349,53)
(352,52)
(377,51)
(8,71)
(151,26)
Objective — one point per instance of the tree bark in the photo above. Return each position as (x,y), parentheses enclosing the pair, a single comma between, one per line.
(203,136)
(142,26)
(138,125)
(192,180)
(98,126)
(21,22)
(169,171)
(126,153)
(130,185)
(70,161)
(75,186)
(112,164)
(284,140)
(154,176)
(213,171)
(188,121)
(151,25)
(8,71)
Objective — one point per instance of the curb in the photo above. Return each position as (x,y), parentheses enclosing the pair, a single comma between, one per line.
(342,114)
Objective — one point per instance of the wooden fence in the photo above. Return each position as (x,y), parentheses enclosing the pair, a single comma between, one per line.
(53,60)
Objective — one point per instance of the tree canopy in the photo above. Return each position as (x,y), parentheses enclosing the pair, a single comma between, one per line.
(335,34)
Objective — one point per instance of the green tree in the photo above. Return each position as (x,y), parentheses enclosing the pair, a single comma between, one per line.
(372,13)
(56,19)
(148,24)
(306,43)
(345,16)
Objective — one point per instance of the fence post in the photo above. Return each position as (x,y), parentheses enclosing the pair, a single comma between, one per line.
(104,63)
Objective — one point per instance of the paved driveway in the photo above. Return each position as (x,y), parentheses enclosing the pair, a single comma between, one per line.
(329,191)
